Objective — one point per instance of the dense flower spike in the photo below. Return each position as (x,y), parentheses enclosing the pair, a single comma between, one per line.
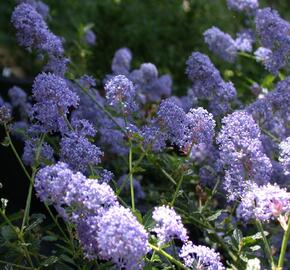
(40,7)
(32,30)
(243,5)
(173,121)
(284,157)
(274,35)
(90,37)
(121,61)
(54,98)
(88,197)
(168,225)
(30,151)
(200,257)
(122,239)
(263,55)
(201,127)
(264,202)
(207,83)
(242,154)
(244,41)
(221,44)
(79,152)
(57,65)
(17,96)
(5,114)
(120,91)
(51,183)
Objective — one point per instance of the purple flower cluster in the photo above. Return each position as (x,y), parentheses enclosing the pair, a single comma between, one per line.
(53,100)
(272,113)
(274,35)
(30,151)
(200,257)
(39,6)
(32,31)
(90,37)
(221,44)
(243,5)
(105,229)
(120,92)
(208,84)
(244,41)
(284,157)
(77,151)
(122,61)
(242,154)
(122,238)
(264,202)
(168,225)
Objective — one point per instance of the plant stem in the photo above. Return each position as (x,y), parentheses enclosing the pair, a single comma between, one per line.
(15,153)
(131,179)
(177,189)
(267,246)
(284,246)
(169,257)
(34,169)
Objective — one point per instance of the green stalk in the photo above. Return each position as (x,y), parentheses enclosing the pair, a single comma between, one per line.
(266,244)
(34,169)
(169,257)
(15,153)
(284,246)
(131,179)
(177,190)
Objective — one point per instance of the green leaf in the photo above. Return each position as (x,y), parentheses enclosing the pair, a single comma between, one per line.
(49,238)
(39,220)
(8,233)
(67,259)
(215,216)
(5,142)
(49,261)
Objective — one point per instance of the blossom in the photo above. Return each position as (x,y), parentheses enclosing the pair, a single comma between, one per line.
(120,91)
(79,152)
(200,257)
(264,202)
(88,197)
(30,151)
(32,31)
(243,5)
(274,35)
(121,61)
(51,183)
(168,225)
(122,239)
(263,55)
(201,127)
(221,44)
(53,100)
(244,41)
(90,37)
(5,114)
(17,96)
(57,65)
(284,157)
(173,121)
(242,153)
(208,84)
